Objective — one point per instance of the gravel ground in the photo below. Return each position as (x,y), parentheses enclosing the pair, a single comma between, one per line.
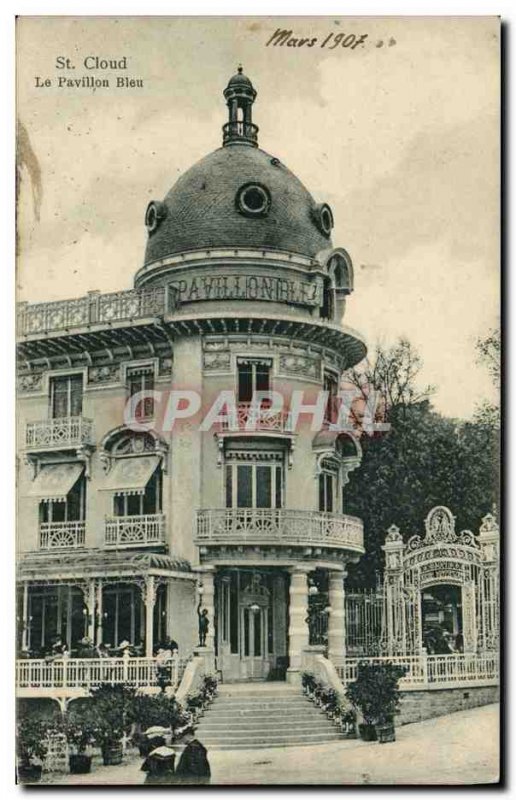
(460,748)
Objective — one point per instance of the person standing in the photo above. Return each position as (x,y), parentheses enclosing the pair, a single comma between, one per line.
(193,766)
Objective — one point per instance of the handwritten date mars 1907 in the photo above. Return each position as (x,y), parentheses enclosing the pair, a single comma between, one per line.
(286,38)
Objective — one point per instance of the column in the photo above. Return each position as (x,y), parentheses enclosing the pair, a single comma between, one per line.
(89,602)
(337,620)
(99,613)
(149,600)
(25,617)
(297,625)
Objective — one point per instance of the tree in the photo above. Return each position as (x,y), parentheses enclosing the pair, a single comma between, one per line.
(423,460)
(392,373)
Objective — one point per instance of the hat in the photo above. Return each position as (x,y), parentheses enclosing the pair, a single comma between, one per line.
(123,645)
(156,730)
(85,640)
(162,752)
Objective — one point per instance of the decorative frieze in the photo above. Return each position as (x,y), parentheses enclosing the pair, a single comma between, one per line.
(300,365)
(109,373)
(30,382)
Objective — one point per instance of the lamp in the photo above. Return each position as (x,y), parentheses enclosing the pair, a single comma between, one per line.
(254,607)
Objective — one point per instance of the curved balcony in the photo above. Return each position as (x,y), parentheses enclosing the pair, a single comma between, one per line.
(250,419)
(59,433)
(279,527)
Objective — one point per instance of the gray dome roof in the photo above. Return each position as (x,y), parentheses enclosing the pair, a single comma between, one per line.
(201,210)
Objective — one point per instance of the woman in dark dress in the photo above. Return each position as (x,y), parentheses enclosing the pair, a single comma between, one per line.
(193,766)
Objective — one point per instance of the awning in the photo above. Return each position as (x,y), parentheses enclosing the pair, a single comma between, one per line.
(54,481)
(131,475)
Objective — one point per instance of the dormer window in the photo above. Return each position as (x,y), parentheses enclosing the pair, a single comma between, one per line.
(254,375)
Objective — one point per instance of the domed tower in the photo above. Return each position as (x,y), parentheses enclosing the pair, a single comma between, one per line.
(257,295)
(229,494)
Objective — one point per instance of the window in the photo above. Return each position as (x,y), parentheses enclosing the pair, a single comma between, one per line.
(66,396)
(327,494)
(135,505)
(254,485)
(73,509)
(254,375)
(141,379)
(331,385)
(253,200)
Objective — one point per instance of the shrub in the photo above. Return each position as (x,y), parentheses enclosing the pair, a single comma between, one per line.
(375,692)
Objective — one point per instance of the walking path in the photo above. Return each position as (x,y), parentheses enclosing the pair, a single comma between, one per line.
(460,748)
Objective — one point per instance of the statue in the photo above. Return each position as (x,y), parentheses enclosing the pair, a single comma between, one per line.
(204,624)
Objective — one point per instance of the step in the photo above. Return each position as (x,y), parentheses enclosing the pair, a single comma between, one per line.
(267,741)
(229,725)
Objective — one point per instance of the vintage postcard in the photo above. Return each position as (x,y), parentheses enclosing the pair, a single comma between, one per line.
(258,389)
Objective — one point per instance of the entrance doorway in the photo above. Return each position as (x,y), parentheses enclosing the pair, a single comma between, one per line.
(251,624)
(442,620)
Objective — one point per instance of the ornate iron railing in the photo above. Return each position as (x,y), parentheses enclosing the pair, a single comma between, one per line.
(59,432)
(85,673)
(443,670)
(232,131)
(61,535)
(135,531)
(249,418)
(278,526)
(95,308)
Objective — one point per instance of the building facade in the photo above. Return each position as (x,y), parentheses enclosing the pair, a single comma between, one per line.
(126,530)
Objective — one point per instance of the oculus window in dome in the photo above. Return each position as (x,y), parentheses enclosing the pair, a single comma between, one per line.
(323,217)
(253,200)
(156,211)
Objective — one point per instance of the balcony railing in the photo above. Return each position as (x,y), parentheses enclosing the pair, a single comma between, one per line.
(62,535)
(440,670)
(33,674)
(95,308)
(135,531)
(233,131)
(249,418)
(58,433)
(254,526)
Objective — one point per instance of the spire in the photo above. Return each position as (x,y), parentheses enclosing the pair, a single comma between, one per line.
(240,96)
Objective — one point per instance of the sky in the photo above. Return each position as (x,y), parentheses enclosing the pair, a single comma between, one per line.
(400,136)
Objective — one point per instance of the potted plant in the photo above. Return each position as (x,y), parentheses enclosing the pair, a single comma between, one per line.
(376,695)
(113,706)
(348,723)
(308,683)
(81,732)
(31,746)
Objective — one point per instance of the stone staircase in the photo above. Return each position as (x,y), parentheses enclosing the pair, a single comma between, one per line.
(270,714)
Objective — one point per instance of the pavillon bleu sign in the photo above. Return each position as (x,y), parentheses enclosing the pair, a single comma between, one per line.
(248,287)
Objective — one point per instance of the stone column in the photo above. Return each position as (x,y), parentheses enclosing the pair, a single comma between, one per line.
(149,600)
(297,624)
(337,620)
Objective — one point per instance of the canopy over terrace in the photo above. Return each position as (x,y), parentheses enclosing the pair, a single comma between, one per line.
(91,572)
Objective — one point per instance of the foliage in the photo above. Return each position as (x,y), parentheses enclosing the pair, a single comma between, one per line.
(161,709)
(424,460)
(489,351)
(113,706)
(308,681)
(375,692)
(31,737)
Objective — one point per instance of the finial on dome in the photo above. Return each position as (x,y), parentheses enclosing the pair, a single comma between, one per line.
(240,95)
